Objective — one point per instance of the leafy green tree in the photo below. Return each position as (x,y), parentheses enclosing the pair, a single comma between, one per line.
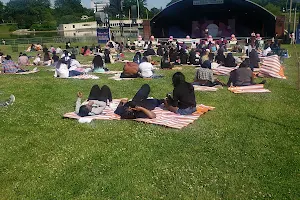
(26,13)
(153,12)
(273,9)
(1,12)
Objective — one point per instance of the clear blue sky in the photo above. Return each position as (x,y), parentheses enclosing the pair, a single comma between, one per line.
(151,3)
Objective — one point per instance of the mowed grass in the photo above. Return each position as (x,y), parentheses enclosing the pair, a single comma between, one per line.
(247,148)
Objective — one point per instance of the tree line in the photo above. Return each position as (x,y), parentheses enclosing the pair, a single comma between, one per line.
(40,15)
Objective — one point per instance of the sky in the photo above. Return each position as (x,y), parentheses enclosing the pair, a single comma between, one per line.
(151,3)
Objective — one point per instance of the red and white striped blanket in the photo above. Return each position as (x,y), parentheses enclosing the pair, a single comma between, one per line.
(163,117)
(249,89)
(271,67)
(223,71)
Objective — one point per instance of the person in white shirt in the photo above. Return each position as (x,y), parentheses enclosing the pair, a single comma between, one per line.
(59,50)
(37,60)
(74,64)
(146,68)
(62,70)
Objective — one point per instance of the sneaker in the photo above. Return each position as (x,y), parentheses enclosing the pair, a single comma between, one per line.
(35,69)
(11,100)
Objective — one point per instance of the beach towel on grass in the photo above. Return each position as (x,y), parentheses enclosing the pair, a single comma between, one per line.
(109,72)
(205,88)
(163,117)
(249,89)
(271,67)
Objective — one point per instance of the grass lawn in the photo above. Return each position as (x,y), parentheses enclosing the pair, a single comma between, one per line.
(247,148)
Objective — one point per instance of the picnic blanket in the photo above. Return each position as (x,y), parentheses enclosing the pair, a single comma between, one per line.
(23,73)
(223,71)
(163,117)
(271,67)
(117,77)
(205,88)
(249,89)
(109,72)
(84,77)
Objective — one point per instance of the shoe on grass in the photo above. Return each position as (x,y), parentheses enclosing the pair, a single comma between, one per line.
(34,69)
(11,100)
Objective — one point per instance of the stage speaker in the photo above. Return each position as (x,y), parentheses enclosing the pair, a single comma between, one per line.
(133,11)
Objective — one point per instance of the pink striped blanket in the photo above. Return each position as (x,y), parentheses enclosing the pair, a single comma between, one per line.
(223,71)
(271,67)
(163,117)
(249,89)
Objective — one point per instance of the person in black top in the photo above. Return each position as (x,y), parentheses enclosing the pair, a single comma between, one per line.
(192,57)
(230,61)
(160,51)
(55,58)
(183,101)
(140,106)
(220,57)
(254,59)
(183,56)
(165,62)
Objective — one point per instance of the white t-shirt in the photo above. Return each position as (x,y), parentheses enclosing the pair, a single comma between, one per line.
(74,65)
(37,60)
(59,51)
(62,71)
(146,69)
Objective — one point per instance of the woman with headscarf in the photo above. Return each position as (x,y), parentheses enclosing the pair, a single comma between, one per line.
(220,57)
(230,61)
(254,59)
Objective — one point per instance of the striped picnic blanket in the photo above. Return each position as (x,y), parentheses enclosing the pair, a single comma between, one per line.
(249,89)
(223,71)
(271,67)
(163,117)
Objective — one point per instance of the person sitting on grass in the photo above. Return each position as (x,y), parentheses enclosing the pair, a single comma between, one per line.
(96,103)
(10,67)
(230,61)
(98,64)
(55,58)
(37,60)
(205,75)
(140,106)
(243,76)
(8,102)
(137,58)
(47,59)
(254,59)
(183,101)
(220,57)
(205,56)
(146,68)
(74,64)
(63,70)
(165,61)
(23,60)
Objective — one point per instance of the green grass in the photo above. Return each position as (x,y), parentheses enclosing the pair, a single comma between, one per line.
(247,148)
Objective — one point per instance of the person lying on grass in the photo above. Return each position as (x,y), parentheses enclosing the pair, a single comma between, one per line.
(183,101)
(96,103)
(10,67)
(243,76)
(140,106)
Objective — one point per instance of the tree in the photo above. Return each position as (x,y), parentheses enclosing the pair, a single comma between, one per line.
(153,12)
(68,7)
(26,13)
(273,9)
(1,12)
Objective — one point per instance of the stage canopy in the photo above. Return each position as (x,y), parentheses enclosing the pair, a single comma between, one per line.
(221,17)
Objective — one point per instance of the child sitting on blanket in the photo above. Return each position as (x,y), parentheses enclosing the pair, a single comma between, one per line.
(96,103)
(140,106)
(205,76)
(183,101)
